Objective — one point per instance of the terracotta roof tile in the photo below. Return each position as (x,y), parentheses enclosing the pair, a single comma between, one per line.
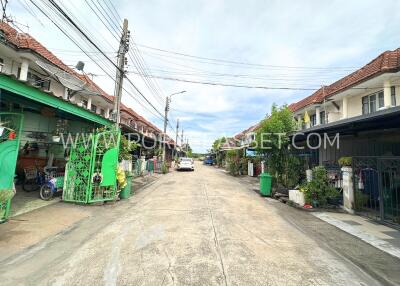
(388,61)
(26,41)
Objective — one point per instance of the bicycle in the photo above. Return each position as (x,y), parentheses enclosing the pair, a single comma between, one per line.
(33,179)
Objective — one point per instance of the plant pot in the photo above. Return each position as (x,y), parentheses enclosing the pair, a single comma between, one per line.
(315,203)
(56,138)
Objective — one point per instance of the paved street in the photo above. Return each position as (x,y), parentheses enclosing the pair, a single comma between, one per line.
(196,228)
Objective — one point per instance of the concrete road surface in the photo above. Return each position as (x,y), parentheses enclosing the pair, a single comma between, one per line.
(189,228)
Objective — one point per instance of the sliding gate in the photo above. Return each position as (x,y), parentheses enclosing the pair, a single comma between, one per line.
(92,168)
(377,187)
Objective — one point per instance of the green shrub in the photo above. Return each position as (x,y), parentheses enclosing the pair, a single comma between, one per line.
(233,161)
(164,168)
(319,190)
(361,200)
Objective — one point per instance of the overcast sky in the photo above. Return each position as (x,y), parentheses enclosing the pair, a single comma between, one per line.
(337,36)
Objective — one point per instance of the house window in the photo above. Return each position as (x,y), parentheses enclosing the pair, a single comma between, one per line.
(313,119)
(365,104)
(37,81)
(381,100)
(393,95)
(102,112)
(93,108)
(371,102)
(322,116)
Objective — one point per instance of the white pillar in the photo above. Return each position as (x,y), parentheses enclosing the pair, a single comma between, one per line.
(107,113)
(344,108)
(317,116)
(387,94)
(89,102)
(299,122)
(23,74)
(65,93)
(348,189)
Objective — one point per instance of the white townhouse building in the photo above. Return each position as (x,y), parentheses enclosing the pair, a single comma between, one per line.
(362,111)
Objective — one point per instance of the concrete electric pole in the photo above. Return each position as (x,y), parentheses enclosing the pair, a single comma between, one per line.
(182,139)
(176,137)
(123,49)
(167,102)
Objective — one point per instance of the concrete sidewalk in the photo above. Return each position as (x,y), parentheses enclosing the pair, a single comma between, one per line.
(40,220)
(380,236)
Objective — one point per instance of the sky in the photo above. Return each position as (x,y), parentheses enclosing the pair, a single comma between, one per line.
(289,44)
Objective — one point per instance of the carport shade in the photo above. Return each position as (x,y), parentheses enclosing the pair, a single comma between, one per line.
(383,119)
(13,85)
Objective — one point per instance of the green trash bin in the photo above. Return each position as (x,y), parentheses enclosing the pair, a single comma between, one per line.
(265,184)
(126,192)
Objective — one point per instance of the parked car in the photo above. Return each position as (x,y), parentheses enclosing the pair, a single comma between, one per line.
(185,163)
(208,161)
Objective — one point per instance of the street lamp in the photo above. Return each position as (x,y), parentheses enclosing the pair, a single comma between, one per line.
(167,102)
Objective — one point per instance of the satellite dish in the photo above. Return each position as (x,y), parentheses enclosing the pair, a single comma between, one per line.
(68,80)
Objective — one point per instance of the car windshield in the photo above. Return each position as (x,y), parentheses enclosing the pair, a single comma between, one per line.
(186,159)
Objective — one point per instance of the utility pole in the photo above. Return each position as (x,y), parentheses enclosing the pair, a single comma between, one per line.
(176,137)
(121,61)
(4,8)
(182,138)
(167,102)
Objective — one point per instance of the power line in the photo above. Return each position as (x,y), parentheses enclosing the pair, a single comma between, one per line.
(240,63)
(90,56)
(229,85)
(52,2)
(101,19)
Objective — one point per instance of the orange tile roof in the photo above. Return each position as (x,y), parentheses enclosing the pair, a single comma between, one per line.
(252,128)
(26,41)
(386,62)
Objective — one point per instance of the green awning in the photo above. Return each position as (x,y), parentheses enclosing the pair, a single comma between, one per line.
(13,85)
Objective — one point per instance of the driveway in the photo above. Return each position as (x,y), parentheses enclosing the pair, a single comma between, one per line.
(188,228)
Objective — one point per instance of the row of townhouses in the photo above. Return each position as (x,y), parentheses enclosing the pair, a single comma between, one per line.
(357,116)
(42,99)
(24,58)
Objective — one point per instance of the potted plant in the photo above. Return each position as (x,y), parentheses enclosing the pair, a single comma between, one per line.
(318,192)
(345,161)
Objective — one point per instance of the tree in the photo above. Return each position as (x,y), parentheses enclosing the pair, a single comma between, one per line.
(272,142)
(217,143)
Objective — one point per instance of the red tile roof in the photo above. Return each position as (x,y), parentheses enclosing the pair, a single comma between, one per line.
(26,41)
(387,62)
(252,128)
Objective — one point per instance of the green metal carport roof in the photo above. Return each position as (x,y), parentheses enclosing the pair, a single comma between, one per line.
(13,85)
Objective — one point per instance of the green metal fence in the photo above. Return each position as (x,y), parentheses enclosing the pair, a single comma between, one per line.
(10,135)
(91,170)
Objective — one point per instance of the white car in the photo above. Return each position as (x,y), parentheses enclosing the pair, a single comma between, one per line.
(185,164)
